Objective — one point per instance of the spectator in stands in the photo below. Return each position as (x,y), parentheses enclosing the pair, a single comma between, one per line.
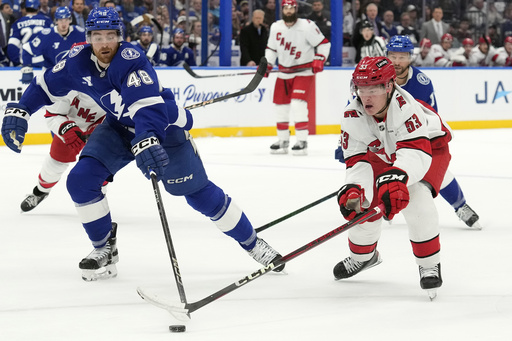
(79,13)
(146,44)
(253,40)
(372,45)
(194,39)
(23,30)
(492,32)
(16,7)
(388,27)
(244,9)
(177,53)
(406,29)
(398,7)
(483,53)
(130,11)
(506,27)
(435,28)
(236,21)
(7,19)
(415,21)
(270,13)
(476,15)
(195,9)
(214,8)
(503,55)
(371,11)
(425,56)
(164,39)
(348,23)
(45,9)
(462,55)
(462,32)
(494,17)
(321,17)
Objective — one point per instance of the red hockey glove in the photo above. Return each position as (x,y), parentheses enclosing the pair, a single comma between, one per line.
(73,136)
(269,68)
(392,191)
(318,63)
(350,199)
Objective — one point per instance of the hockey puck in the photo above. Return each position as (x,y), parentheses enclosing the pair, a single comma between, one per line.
(177,328)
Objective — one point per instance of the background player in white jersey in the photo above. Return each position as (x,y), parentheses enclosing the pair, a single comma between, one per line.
(424,55)
(503,55)
(482,53)
(461,56)
(442,52)
(71,126)
(146,44)
(410,78)
(24,30)
(51,44)
(142,123)
(396,153)
(296,44)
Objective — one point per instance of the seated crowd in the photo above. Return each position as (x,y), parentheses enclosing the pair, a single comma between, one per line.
(460,33)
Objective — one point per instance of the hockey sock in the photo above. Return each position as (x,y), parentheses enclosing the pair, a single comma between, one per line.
(453,194)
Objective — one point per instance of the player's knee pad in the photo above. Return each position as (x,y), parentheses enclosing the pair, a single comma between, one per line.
(299,109)
(85,180)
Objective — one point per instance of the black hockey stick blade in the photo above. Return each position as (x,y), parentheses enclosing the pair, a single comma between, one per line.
(291,214)
(187,308)
(253,84)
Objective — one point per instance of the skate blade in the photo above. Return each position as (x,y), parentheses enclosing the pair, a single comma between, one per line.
(476,226)
(432,293)
(280,151)
(106,272)
(302,152)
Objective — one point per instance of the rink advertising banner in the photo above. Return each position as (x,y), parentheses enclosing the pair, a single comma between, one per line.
(468,98)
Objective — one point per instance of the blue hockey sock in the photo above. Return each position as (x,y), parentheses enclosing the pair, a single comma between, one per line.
(453,194)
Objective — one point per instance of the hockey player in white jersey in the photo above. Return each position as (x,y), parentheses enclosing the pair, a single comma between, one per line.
(462,55)
(483,53)
(71,126)
(296,44)
(424,56)
(442,52)
(396,154)
(503,55)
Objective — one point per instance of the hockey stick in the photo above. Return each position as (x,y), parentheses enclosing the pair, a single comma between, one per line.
(253,84)
(168,240)
(187,308)
(291,214)
(195,75)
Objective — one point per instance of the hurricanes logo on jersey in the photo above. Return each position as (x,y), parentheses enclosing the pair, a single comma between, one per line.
(288,46)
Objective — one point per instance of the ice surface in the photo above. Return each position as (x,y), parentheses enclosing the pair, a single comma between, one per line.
(44,298)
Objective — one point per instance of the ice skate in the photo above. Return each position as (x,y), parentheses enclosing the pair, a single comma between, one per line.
(469,217)
(265,254)
(300,148)
(101,262)
(430,279)
(280,147)
(32,200)
(350,267)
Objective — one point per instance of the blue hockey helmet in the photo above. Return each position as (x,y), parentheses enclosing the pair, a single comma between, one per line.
(34,4)
(62,13)
(178,31)
(145,29)
(103,18)
(400,44)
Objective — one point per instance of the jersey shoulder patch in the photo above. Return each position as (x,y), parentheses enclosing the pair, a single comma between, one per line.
(46,31)
(130,53)
(422,78)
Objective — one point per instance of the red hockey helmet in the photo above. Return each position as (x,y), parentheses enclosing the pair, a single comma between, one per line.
(289,3)
(425,42)
(468,41)
(373,71)
(508,40)
(447,37)
(486,40)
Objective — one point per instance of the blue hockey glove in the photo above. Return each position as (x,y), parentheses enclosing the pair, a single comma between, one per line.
(15,125)
(27,74)
(149,154)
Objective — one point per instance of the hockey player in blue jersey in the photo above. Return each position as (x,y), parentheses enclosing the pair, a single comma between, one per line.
(177,52)
(146,44)
(142,123)
(25,29)
(51,44)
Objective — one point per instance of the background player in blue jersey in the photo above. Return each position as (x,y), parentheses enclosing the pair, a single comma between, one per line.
(51,44)
(146,44)
(142,123)
(400,51)
(177,52)
(25,29)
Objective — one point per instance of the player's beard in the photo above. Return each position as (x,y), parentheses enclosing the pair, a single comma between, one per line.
(290,19)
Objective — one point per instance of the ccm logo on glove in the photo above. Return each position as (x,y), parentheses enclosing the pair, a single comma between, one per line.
(144,144)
